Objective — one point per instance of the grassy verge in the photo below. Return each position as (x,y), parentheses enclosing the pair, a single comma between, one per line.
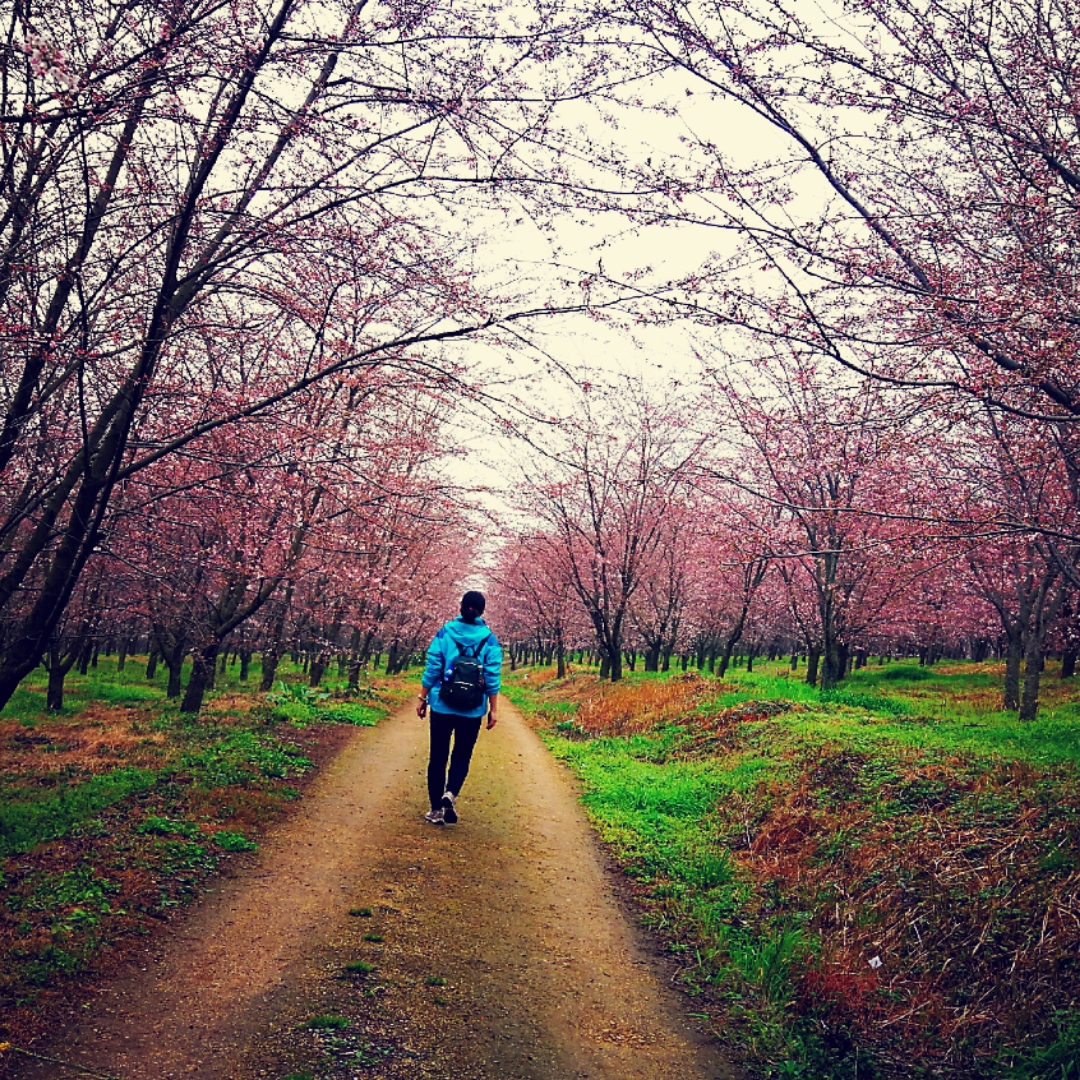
(119,810)
(878,882)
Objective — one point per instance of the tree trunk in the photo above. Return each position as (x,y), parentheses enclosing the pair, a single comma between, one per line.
(245,664)
(813,658)
(1011,696)
(173,651)
(175,683)
(201,679)
(1068,663)
(843,660)
(794,661)
(831,672)
(353,673)
(152,662)
(605,665)
(270,661)
(1029,701)
(725,660)
(615,672)
(57,665)
(174,660)
(272,650)
(121,656)
(54,696)
(560,659)
(317,670)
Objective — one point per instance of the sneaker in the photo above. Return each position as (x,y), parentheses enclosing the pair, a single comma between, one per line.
(435,816)
(449,811)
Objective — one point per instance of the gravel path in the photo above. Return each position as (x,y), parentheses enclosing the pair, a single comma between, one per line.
(499,948)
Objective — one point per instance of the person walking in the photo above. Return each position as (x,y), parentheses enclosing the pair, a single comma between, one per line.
(461,682)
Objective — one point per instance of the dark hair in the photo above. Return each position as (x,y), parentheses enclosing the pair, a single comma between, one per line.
(472,606)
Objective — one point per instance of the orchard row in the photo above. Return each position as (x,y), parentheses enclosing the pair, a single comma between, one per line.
(329,533)
(809,515)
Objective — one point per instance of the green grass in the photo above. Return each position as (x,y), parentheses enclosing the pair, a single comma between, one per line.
(38,817)
(103,684)
(29,817)
(243,757)
(927,711)
(323,1022)
(1056,1060)
(234,841)
(82,887)
(162,826)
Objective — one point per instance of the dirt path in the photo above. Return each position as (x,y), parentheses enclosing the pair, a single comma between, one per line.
(545,975)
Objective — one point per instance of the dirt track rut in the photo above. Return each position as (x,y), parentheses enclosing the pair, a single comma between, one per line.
(546,976)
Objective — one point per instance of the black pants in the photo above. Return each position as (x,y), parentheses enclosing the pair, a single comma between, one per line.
(465,730)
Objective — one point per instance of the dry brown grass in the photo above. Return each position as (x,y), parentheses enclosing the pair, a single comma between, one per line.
(93,742)
(976,929)
(630,708)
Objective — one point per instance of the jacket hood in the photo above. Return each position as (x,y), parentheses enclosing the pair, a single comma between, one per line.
(466,633)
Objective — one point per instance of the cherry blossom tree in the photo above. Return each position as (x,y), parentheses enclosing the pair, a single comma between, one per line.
(658,607)
(831,466)
(902,199)
(911,211)
(604,495)
(538,601)
(731,558)
(1020,489)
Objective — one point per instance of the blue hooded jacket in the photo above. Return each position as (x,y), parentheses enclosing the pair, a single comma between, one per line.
(443,651)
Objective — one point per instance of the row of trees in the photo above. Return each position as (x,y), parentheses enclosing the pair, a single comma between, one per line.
(330,530)
(231,248)
(797,513)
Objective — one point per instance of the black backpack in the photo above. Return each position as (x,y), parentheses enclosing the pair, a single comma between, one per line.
(463,682)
